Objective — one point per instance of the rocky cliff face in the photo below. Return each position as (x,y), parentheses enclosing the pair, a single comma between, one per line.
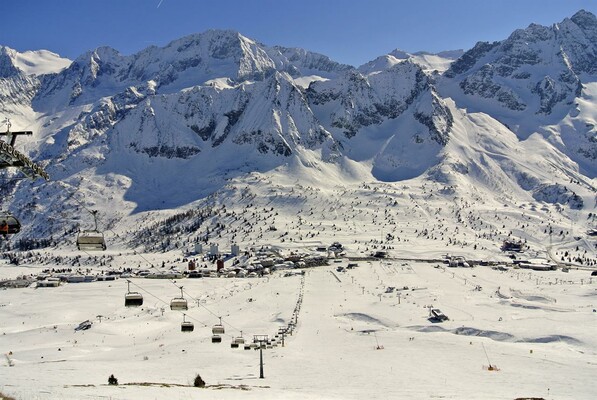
(356,101)
(534,70)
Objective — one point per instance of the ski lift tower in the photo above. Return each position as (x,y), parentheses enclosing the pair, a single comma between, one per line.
(261,340)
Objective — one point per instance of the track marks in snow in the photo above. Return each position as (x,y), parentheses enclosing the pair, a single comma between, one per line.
(498,336)
(364,318)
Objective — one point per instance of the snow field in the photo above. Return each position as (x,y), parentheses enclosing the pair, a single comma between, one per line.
(543,341)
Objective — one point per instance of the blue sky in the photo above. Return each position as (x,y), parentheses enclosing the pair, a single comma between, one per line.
(347,31)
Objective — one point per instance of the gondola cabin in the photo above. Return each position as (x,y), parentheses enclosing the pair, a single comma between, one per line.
(216,339)
(9,225)
(91,241)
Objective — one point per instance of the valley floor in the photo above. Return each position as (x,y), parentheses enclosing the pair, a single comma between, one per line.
(354,337)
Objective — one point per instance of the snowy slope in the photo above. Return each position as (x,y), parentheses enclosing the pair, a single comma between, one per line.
(428,61)
(40,62)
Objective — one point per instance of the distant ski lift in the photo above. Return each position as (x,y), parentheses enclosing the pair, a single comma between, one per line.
(186,326)
(216,339)
(179,303)
(93,239)
(9,225)
(132,299)
(218,329)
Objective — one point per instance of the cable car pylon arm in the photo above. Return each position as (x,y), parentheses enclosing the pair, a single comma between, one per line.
(13,135)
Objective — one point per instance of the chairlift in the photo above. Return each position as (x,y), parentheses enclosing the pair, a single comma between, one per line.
(132,299)
(91,239)
(179,303)
(186,326)
(9,225)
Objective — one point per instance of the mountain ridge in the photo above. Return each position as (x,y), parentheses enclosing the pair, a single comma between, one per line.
(167,127)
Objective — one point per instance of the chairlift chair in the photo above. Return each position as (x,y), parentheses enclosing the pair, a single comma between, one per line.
(132,299)
(92,239)
(179,303)
(13,224)
(218,329)
(186,326)
(237,341)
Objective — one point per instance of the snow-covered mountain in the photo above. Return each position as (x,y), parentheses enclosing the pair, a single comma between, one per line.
(30,62)
(537,78)
(430,62)
(174,128)
(183,63)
